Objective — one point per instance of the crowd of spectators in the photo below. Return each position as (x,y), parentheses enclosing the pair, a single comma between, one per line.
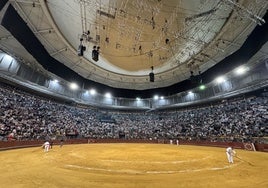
(26,116)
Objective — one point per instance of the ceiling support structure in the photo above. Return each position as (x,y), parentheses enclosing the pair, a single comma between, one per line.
(26,2)
(253,17)
(36,32)
(200,15)
(6,37)
(83,16)
(58,51)
(33,28)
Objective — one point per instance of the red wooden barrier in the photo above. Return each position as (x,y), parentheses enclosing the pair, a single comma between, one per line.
(22,144)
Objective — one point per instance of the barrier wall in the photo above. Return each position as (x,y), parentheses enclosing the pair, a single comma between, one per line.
(4,145)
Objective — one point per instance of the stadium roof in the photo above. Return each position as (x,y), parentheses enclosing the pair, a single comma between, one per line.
(175,38)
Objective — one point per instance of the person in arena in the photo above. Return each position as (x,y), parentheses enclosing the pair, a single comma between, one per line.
(230,152)
(61,142)
(46,146)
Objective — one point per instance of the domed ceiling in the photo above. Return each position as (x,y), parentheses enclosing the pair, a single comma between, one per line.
(170,38)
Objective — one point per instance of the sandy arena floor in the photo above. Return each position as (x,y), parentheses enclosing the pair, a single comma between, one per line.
(131,165)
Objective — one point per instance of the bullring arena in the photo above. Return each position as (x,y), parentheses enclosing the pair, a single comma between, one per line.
(131,165)
(135,94)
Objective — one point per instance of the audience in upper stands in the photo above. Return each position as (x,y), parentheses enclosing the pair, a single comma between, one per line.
(25,116)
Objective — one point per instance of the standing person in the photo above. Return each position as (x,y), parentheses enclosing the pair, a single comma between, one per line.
(46,146)
(61,142)
(230,153)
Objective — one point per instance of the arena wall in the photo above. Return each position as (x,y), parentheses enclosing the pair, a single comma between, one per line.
(4,145)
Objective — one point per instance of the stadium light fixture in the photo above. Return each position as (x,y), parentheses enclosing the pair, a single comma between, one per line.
(156,97)
(8,57)
(202,87)
(73,86)
(220,79)
(92,91)
(241,70)
(108,95)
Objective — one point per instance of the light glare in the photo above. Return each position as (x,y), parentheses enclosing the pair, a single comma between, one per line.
(92,91)
(220,79)
(241,70)
(108,95)
(73,86)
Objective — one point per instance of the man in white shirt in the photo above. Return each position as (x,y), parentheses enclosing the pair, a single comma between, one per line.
(230,154)
(46,146)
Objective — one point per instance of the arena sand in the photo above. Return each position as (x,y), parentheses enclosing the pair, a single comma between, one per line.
(131,166)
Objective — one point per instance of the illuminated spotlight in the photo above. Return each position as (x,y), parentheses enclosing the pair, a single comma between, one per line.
(156,97)
(190,92)
(108,95)
(202,87)
(138,99)
(55,81)
(73,86)
(8,57)
(241,70)
(220,79)
(161,97)
(92,91)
